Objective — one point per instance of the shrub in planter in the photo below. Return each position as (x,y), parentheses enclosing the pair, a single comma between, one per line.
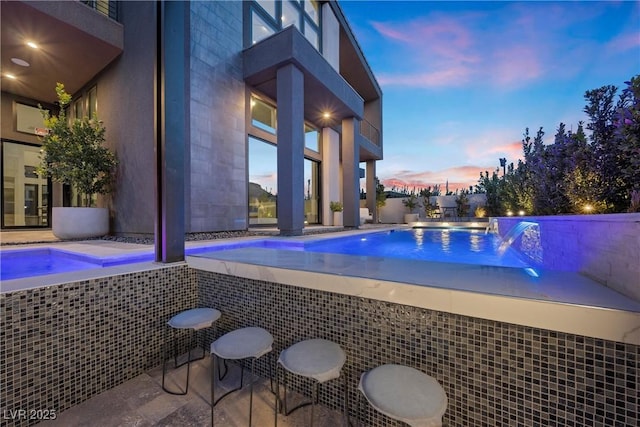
(73,153)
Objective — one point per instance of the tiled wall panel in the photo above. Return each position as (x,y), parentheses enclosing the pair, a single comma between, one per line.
(495,374)
(217,186)
(61,345)
(603,247)
(64,344)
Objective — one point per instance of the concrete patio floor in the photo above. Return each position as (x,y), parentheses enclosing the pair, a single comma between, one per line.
(141,402)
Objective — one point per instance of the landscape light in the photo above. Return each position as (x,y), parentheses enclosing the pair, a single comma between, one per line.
(588,208)
(521,212)
(509,213)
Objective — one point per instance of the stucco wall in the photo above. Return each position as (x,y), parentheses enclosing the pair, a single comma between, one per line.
(603,247)
(217,179)
(393,211)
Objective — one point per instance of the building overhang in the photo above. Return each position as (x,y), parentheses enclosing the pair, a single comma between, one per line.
(75,43)
(325,90)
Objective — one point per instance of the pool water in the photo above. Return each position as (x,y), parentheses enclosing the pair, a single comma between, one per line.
(441,245)
(21,263)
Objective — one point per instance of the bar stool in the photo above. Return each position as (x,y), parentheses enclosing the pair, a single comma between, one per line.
(244,343)
(195,319)
(319,359)
(405,394)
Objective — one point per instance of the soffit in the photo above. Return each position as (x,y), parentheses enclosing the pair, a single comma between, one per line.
(324,89)
(68,52)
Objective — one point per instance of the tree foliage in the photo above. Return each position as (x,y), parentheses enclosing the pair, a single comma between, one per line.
(576,173)
(73,152)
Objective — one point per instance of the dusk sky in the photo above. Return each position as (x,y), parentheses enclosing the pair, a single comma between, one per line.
(462,80)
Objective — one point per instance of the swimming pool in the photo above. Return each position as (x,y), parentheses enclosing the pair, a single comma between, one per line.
(21,263)
(440,245)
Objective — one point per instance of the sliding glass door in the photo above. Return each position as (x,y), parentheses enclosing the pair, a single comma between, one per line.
(25,196)
(263,183)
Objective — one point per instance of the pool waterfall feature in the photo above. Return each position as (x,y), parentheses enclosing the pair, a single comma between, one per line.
(64,343)
(604,248)
(513,234)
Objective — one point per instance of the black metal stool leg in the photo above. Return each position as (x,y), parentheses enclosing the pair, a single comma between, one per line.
(314,399)
(276,407)
(213,385)
(175,365)
(252,379)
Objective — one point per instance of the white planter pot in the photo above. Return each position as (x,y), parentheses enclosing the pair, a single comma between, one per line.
(337,218)
(79,223)
(411,217)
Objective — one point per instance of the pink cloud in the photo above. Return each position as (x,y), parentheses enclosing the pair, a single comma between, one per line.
(444,35)
(458,177)
(445,77)
(625,42)
(515,64)
(511,150)
(451,50)
(441,46)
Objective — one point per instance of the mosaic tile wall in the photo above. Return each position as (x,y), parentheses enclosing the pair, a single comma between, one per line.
(61,345)
(576,243)
(495,374)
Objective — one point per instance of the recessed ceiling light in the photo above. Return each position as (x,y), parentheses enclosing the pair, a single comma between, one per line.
(326,115)
(10,76)
(20,62)
(32,45)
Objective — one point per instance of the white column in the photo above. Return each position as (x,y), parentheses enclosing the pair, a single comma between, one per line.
(331,173)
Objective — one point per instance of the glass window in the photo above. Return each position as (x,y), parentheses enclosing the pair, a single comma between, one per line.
(92,102)
(76,109)
(259,28)
(263,183)
(311,191)
(263,115)
(311,136)
(25,201)
(312,35)
(290,15)
(311,9)
(269,6)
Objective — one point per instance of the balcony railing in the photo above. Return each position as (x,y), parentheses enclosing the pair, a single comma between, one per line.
(106,7)
(370,132)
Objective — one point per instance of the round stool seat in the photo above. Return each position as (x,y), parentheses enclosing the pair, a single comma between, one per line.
(243,343)
(319,359)
(405,394)
(196,318)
